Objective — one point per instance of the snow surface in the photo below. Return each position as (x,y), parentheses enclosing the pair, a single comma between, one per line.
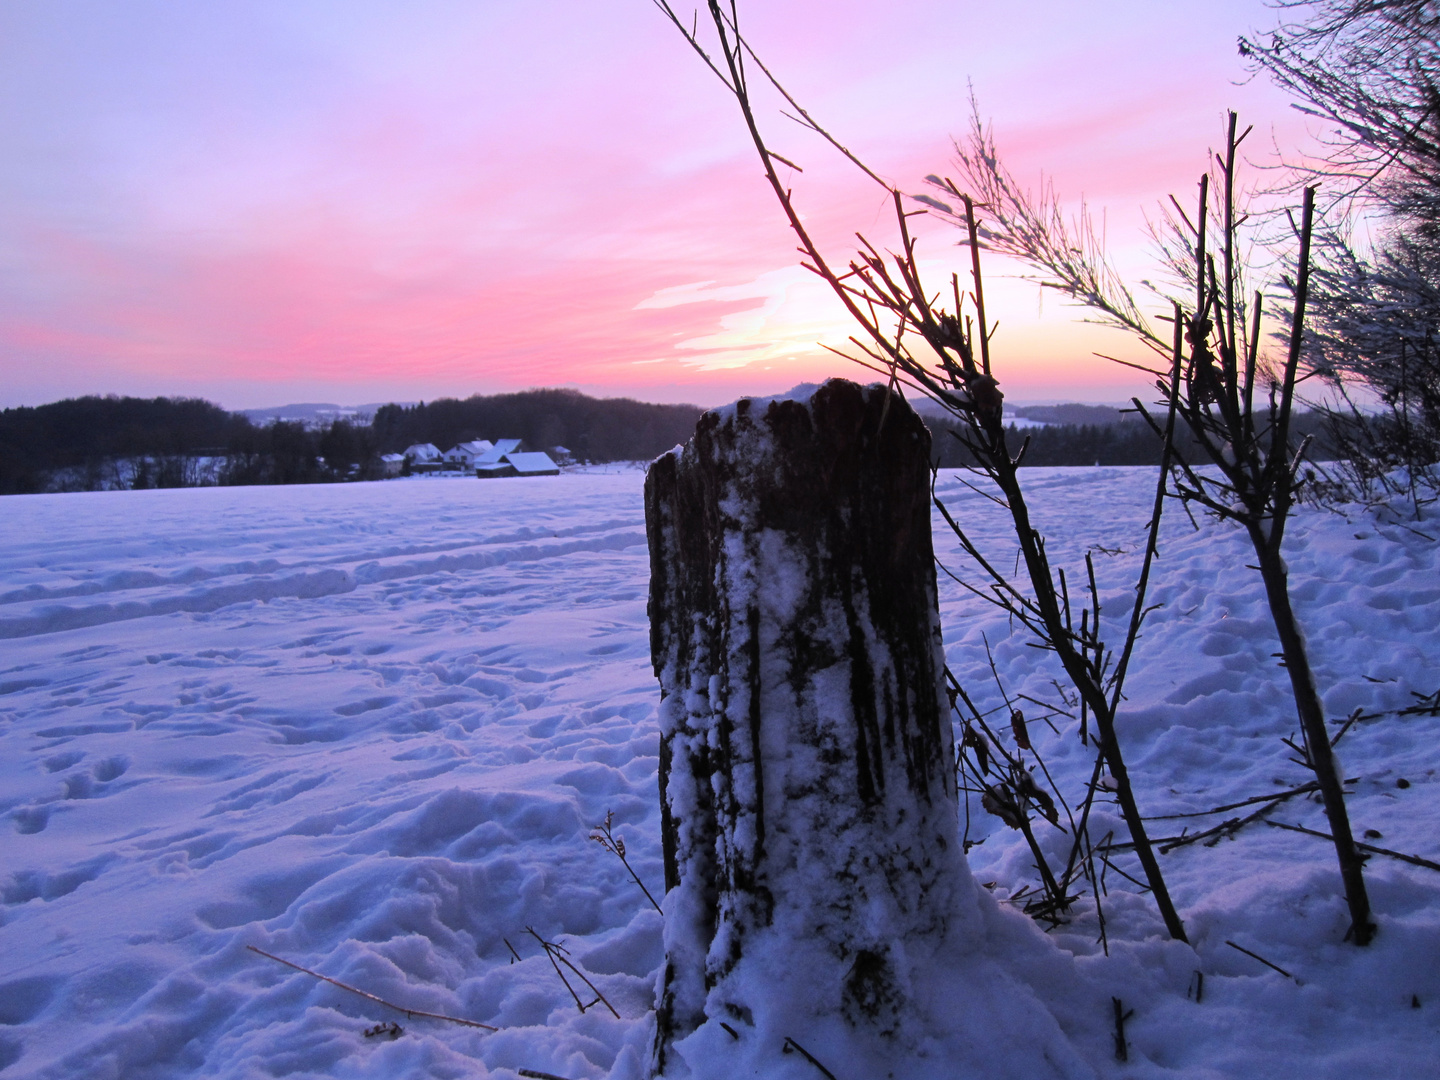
(369,728)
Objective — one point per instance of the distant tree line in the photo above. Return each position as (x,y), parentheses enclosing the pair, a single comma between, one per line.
(1124,440)
(1057,444)
(79,441)
(604,429)
(104,443)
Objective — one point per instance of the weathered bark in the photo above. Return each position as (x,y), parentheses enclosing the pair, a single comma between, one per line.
(807,783)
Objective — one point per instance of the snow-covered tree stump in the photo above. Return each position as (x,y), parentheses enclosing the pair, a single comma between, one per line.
(807,771)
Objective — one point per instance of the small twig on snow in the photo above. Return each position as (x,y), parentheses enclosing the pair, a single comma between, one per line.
(557,956)
(1413,860)
(1122,1050)
(1199,992)
(792,1046)
(1257,956)
(1225,828)
(1302,789)
(603,836)
(1428,705)
(372,997)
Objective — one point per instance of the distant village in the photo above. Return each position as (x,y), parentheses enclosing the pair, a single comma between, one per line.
(487,460)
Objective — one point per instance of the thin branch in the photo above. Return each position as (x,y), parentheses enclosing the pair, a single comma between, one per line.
(791,1045)
(1257,956)
(1301,790)
(372,997)
(1413,860)
(556,954)
(604,836)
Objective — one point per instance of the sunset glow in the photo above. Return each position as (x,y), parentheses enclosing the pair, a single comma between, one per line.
(353,201)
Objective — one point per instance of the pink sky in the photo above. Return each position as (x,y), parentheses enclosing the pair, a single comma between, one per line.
(356,201)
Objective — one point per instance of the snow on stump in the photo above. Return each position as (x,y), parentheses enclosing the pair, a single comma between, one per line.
(817,896)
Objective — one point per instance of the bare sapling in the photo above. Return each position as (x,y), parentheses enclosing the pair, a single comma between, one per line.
(915,340)
(1259,480)
(1253,465)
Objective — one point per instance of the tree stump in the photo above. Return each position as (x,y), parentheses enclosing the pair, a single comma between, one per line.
(807,772)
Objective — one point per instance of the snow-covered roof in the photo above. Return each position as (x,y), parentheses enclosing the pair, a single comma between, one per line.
(537,463)
(392,457)
(423,451)
(473,448)
(495,469)
(498,451)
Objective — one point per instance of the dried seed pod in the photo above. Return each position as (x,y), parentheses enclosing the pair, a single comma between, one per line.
(973,740)
(1026,787)
(1022,734)
(997,800)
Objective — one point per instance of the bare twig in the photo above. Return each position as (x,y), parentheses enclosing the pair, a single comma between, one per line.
(1104,853)
(606,838)
(1213,835)
(372,997)
(1122,1048)
(557,956)
(791,1046)
(1413,860)
(1257,956)
(1199,993)
(1229,828)
(1301,790)
(1428,705)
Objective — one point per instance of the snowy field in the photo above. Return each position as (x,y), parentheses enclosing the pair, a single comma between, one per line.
(369,729)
